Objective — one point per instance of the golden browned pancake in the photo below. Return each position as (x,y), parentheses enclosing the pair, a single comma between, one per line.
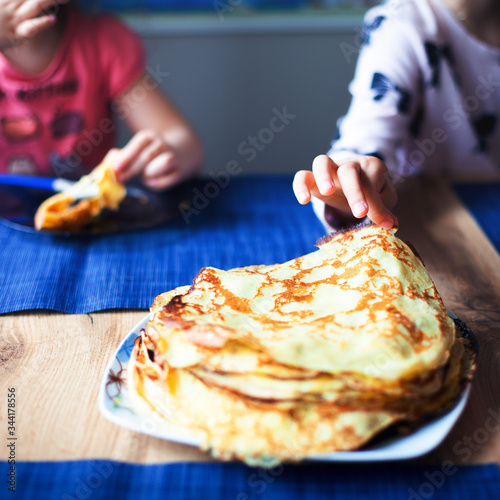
(63,211)
(318,354)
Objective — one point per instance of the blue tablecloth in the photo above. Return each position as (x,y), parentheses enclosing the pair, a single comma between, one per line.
(483,202)
(100,479)
(254,220)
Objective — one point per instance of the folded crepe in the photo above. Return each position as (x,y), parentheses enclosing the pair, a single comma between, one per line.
(66,212)
(319,354)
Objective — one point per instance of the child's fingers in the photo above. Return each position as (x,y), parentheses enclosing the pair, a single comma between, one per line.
(164,181)
(363,180)
(163,164)
(125,164)
(31,27)
(380,193)
(348,175)
(387,191)
(323,169)
(377,211)
(147,157)
(381,215)
(32,8)
(133,148)
(301,182)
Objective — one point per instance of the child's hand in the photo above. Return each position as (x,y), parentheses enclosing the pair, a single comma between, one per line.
(24,18)
(165,149)
(149,157)
(359,186)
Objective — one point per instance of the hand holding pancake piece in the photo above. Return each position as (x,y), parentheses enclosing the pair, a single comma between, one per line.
(65,211)
(151,158)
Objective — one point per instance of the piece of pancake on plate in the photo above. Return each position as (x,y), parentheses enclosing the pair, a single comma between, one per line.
(67,212)
(318,354)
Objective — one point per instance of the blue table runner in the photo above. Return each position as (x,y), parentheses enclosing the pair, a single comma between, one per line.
(254,220)
(101,479)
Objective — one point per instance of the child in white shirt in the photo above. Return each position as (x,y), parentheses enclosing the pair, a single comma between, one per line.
(426,97)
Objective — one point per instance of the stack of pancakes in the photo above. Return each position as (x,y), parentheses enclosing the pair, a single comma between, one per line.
(319,354)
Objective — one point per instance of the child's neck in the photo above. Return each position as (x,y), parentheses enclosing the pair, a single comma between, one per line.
(34,55)
(480,17)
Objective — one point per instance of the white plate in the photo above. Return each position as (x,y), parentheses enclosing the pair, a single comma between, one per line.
(115,404)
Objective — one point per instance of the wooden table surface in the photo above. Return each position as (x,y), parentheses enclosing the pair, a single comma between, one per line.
(56,361)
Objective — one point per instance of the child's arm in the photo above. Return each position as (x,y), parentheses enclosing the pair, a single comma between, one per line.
(165,149)
(24,18)
(359,186)
(379,129)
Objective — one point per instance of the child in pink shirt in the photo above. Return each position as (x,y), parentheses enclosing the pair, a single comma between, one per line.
(62,75)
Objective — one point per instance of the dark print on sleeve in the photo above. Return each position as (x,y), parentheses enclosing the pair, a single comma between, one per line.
(356,151)
(376,154)
(436,54)
(337,134)
(368,28)
(416,123)
(382,84)
(484,126)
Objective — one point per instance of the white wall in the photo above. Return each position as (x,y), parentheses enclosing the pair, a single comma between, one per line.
(229,81)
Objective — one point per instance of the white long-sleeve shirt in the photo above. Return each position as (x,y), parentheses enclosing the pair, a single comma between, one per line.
(425,95)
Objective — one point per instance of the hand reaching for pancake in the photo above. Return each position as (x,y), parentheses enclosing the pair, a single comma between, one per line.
(358,186)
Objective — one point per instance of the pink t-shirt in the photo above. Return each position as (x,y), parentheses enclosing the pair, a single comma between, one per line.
(59,123)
